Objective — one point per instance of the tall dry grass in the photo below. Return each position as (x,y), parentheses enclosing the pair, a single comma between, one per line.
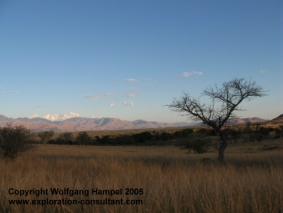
(172,180)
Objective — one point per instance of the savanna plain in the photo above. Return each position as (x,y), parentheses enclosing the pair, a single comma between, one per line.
(161,178)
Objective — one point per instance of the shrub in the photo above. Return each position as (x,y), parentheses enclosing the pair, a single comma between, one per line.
(231,135)
(66,138)
(14,140)
(142,137)
(125,140)
(203,132)
(45,136)
(183,133)
(254,132)
(166,136)
(279,132)
(83,138)
(199,144)
(264,131)
(236,136)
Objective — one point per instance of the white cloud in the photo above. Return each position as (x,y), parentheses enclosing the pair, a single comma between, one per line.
(14,92)
(60,117)
(187,74)
(34,116)
(197,73)
(134,88)
(109,94)
(92,96)
(131,95)
(111,104)
(131,79)
(8,91)
(262,71)
(128,103)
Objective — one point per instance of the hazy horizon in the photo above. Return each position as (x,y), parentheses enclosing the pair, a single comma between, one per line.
(128,60)
(62,117)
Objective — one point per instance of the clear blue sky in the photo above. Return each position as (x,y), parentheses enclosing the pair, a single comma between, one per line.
(127,59)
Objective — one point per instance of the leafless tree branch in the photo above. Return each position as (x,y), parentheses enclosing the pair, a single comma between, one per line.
(224,101)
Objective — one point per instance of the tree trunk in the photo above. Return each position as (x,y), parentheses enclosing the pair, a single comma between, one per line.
(223,146)
(221,157)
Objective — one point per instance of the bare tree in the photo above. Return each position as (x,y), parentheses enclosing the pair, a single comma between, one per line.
(224,101)
(14,140)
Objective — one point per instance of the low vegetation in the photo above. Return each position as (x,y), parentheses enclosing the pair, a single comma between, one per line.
(197,139)
(172,180)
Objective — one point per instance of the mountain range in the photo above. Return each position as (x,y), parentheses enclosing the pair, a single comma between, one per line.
(93,124)
(86,124)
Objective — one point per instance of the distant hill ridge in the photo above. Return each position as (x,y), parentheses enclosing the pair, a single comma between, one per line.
(245,120)
(93,124)
(278,119)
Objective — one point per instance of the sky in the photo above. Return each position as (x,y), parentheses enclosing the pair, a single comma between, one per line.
(129,59)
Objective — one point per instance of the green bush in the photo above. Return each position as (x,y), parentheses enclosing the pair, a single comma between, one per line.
(198,145)
(142,137)
(264,131)
(14,140)
(166,136)
(83,138)
(183,133)
(45,136)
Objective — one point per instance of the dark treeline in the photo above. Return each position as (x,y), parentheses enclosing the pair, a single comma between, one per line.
(139,139)
(18,139)
(198,140)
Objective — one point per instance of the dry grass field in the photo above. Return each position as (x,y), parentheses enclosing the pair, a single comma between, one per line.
(168,179)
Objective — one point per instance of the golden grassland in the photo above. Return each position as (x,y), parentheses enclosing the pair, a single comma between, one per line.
(172,179)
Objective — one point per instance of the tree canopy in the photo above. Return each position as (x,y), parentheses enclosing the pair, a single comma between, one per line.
(224,101)
(14,140)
